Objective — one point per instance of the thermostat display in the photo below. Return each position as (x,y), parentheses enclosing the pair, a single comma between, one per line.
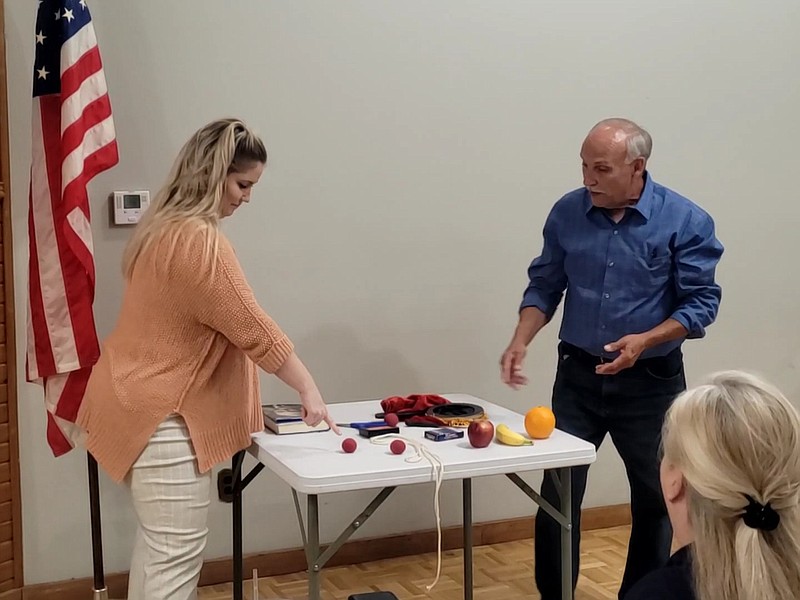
(129,206)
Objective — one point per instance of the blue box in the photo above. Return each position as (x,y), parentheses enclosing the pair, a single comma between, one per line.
(443,433)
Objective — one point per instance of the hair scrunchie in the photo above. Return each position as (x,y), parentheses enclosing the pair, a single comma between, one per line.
(760,516)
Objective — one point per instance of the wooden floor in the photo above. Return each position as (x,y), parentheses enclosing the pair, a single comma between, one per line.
(501,571)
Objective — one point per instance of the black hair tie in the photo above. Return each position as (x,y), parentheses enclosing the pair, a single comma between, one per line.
(758,516)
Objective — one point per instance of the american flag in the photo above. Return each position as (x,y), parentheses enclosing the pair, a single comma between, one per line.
(73,140)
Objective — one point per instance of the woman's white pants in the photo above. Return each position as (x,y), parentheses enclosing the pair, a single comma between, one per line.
(171,501)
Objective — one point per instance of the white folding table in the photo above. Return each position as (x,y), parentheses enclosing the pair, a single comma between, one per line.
(314,464)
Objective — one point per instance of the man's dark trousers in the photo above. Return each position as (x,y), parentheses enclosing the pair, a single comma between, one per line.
(630,406)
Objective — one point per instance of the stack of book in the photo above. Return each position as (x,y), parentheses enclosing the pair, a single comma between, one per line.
(287,418)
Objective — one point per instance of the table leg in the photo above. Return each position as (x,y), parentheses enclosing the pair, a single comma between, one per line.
(237,526)
(466,496)
(565,477)
(314,567)
(562,515)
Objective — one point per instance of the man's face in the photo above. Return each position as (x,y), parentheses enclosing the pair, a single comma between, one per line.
(611,181)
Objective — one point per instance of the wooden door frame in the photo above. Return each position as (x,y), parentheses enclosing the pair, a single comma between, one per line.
(10,316)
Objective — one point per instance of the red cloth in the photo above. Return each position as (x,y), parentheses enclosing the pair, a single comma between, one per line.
(411,409)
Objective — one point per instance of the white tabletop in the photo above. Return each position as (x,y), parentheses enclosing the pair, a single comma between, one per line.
(314,463)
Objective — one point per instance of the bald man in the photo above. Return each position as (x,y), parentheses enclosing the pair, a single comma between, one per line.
(637,261)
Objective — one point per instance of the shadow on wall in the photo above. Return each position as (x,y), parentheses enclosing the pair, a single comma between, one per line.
(346,369)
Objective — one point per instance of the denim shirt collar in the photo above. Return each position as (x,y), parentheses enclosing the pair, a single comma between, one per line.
(643,206)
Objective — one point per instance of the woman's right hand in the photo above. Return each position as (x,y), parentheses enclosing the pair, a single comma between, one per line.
(315,411)
(294,374)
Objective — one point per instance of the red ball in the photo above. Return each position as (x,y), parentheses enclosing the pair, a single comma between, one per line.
(397,447)
(391,419)
(349,445)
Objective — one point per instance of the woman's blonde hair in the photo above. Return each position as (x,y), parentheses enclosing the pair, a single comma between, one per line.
(736,439)
(193,193)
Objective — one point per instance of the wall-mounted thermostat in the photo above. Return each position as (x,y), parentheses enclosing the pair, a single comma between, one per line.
(129,206)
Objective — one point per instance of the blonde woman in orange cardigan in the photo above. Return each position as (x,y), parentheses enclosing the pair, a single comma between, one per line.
(176,389)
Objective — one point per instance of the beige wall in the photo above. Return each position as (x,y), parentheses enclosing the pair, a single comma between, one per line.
(416,148)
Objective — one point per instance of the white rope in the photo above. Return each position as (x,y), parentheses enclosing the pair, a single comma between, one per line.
(438,471)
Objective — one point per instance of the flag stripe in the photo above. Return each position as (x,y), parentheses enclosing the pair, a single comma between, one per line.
(72,297)
(45,178)
(40,353)
(31,364)
(83,82)
(73,48)
(79,226)
(58,442)
(68,388)
(95,138)
(94,113)
(89,83)
(77,234)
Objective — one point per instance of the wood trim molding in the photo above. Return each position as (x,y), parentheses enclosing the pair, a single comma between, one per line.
(10,311)
(282,562)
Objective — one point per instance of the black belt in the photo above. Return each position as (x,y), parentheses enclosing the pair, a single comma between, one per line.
(590,359)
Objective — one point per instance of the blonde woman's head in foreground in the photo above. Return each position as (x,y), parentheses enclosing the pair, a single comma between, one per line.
(211,177)
(730,475)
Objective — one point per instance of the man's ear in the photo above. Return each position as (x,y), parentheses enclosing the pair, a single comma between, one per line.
(639,165)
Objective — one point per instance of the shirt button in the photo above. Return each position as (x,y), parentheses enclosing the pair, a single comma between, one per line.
(602,326)
(606,295)
(611,264)
(616,232)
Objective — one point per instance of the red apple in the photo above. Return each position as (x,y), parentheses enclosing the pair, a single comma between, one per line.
(480,433)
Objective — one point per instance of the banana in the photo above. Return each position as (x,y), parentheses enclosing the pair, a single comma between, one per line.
(511,438)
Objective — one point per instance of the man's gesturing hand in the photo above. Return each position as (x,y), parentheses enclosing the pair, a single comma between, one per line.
(511,366)
(630,348)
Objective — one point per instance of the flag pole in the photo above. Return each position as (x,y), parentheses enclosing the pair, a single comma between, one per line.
(100,591)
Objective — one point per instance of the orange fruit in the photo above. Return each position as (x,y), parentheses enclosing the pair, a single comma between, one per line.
(540,422)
